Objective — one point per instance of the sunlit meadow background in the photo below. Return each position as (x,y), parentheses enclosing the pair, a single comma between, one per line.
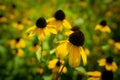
(16,16)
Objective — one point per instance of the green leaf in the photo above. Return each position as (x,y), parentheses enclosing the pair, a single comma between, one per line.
(38,54)
(47,77)
(81,69)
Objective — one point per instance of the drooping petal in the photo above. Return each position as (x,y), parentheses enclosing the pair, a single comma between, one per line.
(41,35)
(52,30)
(102,62)
(74,56)
(106,29)
(66,24)
(114,68)
(52,63)
(108,67)
(33,32)
(83,55)
(61,50)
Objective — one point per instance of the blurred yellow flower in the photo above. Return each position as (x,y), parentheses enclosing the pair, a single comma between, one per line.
(41,29)
(18,52)
(103,27)
(108,63)
(57,67)
(18,25)
(73,46)
(97,75)
(17,43)
(59,21)
(34,47)
(2,18)
(39,70)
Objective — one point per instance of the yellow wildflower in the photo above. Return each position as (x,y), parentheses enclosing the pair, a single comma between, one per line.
(59,21)
(41,29)
(103,27)
(108,63)
(73,46)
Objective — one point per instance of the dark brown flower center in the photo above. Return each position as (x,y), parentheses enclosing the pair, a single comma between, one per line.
(17,39)
(107,75)
(58,64)
(59,15)
(77,38)
(41,22)
(109,60)
(75,28)
(103,23)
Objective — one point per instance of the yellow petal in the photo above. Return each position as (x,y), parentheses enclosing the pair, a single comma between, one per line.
(114,68)
(83,55)
(64,69)
(50,20)
(41,35)
(33,32)
(98,27)
(108,67)
(52,63)
(74,56)
(66,24)
(106,29)
(52,30)
(30,29)
(102,62)
(61,50)
(94,73)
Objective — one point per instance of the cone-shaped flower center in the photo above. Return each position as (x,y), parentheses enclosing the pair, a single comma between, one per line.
(77,38)
(34,44)
(59,15)
(103,23)
(58,64)
(107,75)
(41,22)
(75,28)
(109,60)
(1,15)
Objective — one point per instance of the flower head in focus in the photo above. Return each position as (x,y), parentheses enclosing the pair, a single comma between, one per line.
(103,27)
(73,47)
(42,29)
(59,21)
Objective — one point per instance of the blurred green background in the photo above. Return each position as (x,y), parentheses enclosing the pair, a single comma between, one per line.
(16,16)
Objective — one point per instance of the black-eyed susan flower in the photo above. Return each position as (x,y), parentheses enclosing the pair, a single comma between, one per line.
(73,29)
(18,25)
(17,43)
(34,47)
(39,70)
(42,29)
(73,46)
(18,52)
(97,75)
(2,18)
(108,63)
(57,67)
(103,27)
(59,21)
